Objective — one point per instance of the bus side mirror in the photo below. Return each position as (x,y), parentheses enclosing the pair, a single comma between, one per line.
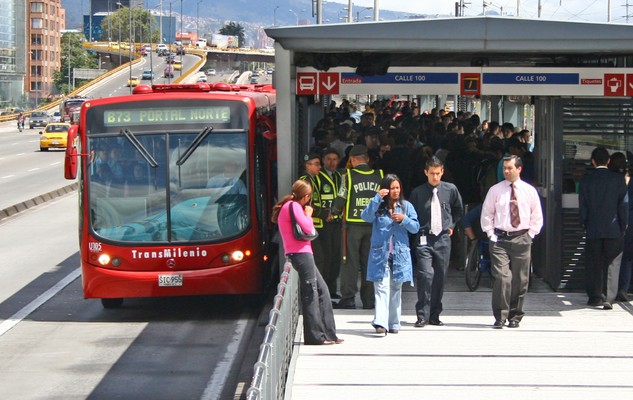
(70,160)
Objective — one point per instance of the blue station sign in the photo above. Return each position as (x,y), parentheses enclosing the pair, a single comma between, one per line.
(521,78)
(469,81)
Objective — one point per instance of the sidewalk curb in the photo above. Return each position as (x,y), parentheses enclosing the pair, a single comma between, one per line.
(25,205)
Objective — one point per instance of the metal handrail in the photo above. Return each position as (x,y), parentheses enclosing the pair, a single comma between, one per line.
(271,369)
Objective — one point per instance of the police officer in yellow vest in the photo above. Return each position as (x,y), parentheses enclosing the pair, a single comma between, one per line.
(331,234)
(312,165)
(362,182)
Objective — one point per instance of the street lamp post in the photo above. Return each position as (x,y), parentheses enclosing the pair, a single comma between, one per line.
(296,15)
(181,41)
(109,22)
(198,20)
(358,13)
(275,16)
(131,43)
(69,62)
(118,3)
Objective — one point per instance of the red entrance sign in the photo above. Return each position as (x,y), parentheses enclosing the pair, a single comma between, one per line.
(470,84)
(307,83)
(613,85)
(329,82)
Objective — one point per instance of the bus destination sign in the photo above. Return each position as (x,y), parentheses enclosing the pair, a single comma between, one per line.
(161,116)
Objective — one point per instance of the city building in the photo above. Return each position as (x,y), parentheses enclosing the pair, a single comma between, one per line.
(12,56)
(46,19)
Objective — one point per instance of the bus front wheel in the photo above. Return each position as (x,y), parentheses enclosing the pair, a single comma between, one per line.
(111,303)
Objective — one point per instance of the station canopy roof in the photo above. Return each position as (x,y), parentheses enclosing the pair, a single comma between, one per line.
(465,41)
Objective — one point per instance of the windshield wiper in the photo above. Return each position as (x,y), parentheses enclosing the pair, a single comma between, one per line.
(194,145)
(139,147)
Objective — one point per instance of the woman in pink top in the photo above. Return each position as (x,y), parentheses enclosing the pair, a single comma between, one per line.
(316,305)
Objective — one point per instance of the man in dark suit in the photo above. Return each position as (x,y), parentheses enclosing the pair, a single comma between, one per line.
(604,215)
(439,207)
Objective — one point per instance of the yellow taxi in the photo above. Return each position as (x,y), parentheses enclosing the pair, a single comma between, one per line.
(178,65)
(54,136)
(133,81)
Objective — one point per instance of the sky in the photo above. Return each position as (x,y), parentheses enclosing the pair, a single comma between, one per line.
(565,10)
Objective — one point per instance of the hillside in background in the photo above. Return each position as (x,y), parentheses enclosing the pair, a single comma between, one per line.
(251,14)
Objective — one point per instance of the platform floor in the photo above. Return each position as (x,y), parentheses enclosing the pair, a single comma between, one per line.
(563,349)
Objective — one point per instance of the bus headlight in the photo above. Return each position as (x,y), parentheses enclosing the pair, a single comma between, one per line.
(104,259)
(237,255)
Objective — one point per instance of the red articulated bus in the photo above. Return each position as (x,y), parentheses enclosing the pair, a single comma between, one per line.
(176,185)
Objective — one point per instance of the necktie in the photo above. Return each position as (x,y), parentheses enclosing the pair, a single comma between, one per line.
(515,219)
(436,214)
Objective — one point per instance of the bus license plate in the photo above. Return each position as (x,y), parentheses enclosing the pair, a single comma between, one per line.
(170,280)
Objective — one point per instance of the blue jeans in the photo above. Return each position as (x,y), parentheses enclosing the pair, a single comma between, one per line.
(388,295)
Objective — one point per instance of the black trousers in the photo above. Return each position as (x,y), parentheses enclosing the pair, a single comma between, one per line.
(599,253)
(431,266)
(316,305)
(330,255)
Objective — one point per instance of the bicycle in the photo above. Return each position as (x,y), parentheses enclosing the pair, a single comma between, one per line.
(477,262)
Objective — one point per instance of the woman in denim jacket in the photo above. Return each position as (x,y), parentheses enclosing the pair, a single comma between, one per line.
(389,265)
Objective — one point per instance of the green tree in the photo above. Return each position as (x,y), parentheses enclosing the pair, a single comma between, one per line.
(233,29)
(134,25)
(73,55)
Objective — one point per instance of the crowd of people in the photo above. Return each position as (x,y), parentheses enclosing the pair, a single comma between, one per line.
(388,187)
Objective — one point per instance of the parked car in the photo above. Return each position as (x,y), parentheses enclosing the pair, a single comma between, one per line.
(133,81)
(38,118)
(168,72)
(147,74)
(56,117)
(211,72)
(54,136)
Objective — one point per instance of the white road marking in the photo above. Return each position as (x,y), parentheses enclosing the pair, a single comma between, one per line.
(215,385)
(8,176)
(35,304)
(32,169)
(56,163)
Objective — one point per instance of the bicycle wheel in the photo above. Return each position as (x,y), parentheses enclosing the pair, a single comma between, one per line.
(473,273)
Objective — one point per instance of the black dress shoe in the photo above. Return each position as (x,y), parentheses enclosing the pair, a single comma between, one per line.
(394,331)
(513,324)
(622,296)
(421,323)
(436,322)
(368,307)
(607,306)
(335,296)
(499,324)
(594,302)
(344,305)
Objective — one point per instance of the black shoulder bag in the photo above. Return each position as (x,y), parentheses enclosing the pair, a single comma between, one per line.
(296,228)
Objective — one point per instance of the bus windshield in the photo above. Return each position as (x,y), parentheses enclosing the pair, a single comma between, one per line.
(169,182)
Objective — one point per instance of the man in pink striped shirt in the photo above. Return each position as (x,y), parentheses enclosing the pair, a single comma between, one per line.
(511,216)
